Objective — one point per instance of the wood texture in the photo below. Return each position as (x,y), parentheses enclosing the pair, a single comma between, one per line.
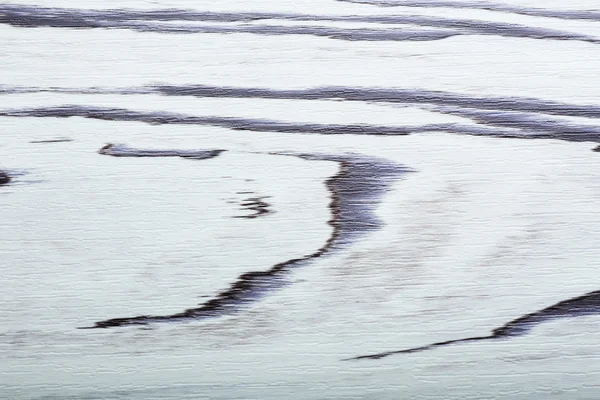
(327,199)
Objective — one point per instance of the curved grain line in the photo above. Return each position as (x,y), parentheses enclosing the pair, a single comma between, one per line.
(499,125)
(588,304)
(346,93)
(355,190)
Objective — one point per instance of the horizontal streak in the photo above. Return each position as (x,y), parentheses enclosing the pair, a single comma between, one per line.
(375,95)
(406,96)
(535,124)
(588,15)
(119,150)
(247,124)
(491,124)
(27,16)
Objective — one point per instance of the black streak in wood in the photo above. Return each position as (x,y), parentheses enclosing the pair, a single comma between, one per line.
(151,21)
(355,192)
(588,304)
(119,150)
(4,178)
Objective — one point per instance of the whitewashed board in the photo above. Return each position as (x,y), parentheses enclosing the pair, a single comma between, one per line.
(320,199)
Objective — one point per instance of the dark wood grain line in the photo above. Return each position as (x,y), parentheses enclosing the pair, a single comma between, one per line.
(588,304)
(585,15)
(355,191)
(150,21)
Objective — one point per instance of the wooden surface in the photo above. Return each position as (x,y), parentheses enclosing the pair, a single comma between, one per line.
(356,199)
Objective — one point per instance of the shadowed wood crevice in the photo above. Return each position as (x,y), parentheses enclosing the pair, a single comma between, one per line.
(588,304)
(355,191)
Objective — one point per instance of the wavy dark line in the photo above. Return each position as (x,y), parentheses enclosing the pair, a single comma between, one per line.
(355,191)
(374,95)
(76,14)
(404,96)
(589,15)
(498,124)
(31,17)
(120,19)
(120,150)
(532,125)
(362,34)
(588,304)
(257,125)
